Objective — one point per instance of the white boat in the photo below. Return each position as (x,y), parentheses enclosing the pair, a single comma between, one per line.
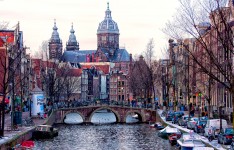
(167,131)
(189,140)
(203,148)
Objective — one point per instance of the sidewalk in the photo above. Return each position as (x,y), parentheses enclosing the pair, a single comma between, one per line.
(10,134)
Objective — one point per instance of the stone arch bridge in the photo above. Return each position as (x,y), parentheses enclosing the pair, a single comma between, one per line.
(121,113)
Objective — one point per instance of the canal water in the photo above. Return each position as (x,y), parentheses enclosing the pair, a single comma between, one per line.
(105,137)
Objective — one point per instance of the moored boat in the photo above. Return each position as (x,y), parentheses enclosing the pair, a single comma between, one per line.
(188,141)
(167,131)
(173,138)
(44,132)
(25,145)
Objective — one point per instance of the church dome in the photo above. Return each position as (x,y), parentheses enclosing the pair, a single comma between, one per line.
(108,25)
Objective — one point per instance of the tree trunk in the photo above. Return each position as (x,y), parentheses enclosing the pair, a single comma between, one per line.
(3,116)
(232,96)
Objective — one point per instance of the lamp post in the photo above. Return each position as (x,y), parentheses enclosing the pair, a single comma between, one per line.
(199,109)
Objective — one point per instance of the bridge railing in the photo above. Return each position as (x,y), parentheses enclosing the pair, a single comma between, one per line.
(75,104)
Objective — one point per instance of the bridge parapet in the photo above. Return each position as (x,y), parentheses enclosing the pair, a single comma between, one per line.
(121,113)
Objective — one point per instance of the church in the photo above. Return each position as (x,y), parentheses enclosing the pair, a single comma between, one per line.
(113,82)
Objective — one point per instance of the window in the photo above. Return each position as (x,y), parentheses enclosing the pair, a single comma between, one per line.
(103,38)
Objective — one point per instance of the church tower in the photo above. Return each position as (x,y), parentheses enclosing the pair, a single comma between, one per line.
(55,44)
(72,43)
(108,34)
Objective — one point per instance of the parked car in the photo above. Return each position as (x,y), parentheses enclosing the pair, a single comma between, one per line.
(174,115)
(225,136)
(214,123)
(169,116)
(183,120)
(179,113)
(199,126)
(191,123)
(175,118)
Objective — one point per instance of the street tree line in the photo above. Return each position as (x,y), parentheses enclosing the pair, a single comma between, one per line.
(210,25)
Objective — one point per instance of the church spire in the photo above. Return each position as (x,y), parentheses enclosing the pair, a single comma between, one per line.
(72,43)
(55,34)
(55,44)
(108,12)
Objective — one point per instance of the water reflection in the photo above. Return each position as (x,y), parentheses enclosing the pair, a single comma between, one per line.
(73,118)
(105,137)
(103,116)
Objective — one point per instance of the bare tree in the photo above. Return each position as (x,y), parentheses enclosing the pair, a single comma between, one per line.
(140,80)
(43,50)
(10,73)
(151,62)
(210,23)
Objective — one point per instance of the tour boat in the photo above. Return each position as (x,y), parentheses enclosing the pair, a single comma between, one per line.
(44,132)
(189,140)
(167,131)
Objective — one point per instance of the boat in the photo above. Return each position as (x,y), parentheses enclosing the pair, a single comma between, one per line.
(190,140)
(203,148)
(157,125)
(173,138)
(167,131)
(25,145)
(44,132)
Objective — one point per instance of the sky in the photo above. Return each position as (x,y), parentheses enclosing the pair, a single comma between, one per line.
(138,21)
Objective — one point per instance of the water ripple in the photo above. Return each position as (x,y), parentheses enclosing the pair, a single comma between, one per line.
(105,137)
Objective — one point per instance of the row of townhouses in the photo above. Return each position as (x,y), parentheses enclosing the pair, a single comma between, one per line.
(200,69)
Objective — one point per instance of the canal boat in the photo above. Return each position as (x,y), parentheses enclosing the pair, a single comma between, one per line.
(25,145)
(189,140)
(157,125)
(167,131)
(173,138)
(45,132)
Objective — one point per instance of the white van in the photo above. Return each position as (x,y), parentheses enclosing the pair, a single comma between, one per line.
(214,123)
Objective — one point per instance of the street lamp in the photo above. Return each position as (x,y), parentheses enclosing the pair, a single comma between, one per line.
(199,109)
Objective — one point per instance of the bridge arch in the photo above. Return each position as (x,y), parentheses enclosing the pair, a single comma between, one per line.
(138,112)
(118,119)
(73,111)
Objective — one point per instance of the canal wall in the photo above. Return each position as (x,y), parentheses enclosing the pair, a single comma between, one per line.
(25,135)
(17,139)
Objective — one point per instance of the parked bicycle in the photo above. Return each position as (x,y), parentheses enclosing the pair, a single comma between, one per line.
(28,122)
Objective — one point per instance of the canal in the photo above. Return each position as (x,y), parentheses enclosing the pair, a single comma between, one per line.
(104,134)
(105,137)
